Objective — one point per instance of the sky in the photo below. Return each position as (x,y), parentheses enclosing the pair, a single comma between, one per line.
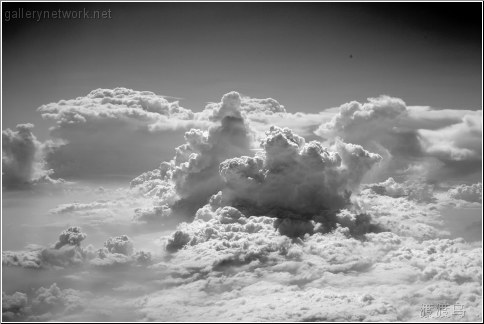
(310,57)
(243,162)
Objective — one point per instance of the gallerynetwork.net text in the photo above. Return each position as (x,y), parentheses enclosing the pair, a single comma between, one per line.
(38,15)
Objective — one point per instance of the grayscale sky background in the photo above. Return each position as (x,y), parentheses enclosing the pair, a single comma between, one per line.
(299,54)
(324,162)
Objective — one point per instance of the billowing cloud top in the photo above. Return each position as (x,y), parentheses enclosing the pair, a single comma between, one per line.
(185,183)
(19,155)
(135,126)
(444,143)
(117,104)
(288,176)
(71,236)
(376,112)
(472,193)
(234,104)
(22,162)
(295,177)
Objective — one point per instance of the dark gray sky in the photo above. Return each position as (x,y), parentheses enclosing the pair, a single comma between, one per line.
(308,56)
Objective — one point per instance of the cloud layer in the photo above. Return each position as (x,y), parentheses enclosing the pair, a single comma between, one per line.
(266,226)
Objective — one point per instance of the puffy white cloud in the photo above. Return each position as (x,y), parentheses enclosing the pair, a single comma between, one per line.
(19,156)
(186,183)
(260,114)
(67,252)
(403,216)
(71,236)
(116,104)
(119,131)
(293,177)
(376,110)
(458,146)
(22,163)
(230,106)
(446,143)
(120,244)
(152,214)
(26,259)
(119,252)
(390,188)
(54,299)
(414,189)
(44,304)
(471,193)
(41,258)
(244,107)
(13,306)
(112,132)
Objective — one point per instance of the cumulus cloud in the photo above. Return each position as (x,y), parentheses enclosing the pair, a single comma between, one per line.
(447,143)
(112,132)
(470,193)
(30,258)
(54,299)
(120,244)
(71,236)
(43,258)
(119,131)
(152,214)
(293,177)
(108,131)
(67,252)
(22,161)
(414,189)
(44,303)
(289,176)
(262,113)
(389,187)
(401,215)
(118,251)
(13,306)
(186,183)
(458,147)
